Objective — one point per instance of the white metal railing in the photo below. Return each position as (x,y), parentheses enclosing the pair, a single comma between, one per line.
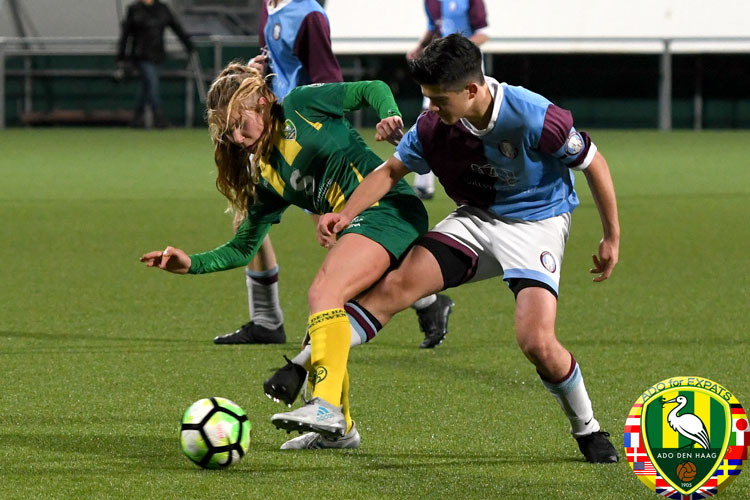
(67,46)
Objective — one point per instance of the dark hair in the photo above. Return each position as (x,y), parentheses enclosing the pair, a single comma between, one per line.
(450,62)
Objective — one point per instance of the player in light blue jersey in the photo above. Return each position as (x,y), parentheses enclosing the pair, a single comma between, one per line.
(296,38)
(504,155)
(467,17)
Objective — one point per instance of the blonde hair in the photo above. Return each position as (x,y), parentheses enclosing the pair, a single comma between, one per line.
(237,89)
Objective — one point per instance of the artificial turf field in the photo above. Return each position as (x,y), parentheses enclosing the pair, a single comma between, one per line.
(100,355)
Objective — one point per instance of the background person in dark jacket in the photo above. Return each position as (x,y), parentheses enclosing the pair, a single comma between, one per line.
(142,42)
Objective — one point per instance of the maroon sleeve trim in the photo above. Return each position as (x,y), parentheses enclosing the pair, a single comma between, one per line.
(477,15)
(313,48)
(557,125)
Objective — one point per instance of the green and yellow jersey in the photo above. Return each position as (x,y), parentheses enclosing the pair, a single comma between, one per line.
(316,162)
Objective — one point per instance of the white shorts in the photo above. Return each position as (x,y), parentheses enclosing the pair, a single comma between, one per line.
(510,248)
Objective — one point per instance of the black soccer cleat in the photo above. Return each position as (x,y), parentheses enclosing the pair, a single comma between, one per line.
(286,383)
(252,333)
(433,321)
(597,449)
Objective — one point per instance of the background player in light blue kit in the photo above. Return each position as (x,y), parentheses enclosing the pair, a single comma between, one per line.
(504,155)
(467,17)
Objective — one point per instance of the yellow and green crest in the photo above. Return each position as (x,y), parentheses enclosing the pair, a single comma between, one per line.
(685,437)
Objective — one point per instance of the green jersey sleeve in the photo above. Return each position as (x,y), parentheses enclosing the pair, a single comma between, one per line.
(335,99)
(261,214)
(237,252)
(374,93)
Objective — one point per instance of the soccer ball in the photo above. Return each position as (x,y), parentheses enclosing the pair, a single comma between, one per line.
(215,433)
(686,471)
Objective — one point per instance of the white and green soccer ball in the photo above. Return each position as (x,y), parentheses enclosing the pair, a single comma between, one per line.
(215,433)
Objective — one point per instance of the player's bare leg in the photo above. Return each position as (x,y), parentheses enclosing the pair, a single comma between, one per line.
(350,267)
(393,292)
(418,276)
(536,309)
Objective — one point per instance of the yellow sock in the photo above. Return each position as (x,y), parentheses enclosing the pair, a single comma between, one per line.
(330,339)
(345,401)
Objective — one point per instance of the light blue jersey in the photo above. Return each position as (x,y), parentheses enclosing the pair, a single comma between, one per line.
(446,17)
(281,32)
(519,167)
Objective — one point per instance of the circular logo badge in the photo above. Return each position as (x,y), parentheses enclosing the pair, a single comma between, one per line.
(574,144)
(508,149)
(548,261)
(276,31)
(687,438)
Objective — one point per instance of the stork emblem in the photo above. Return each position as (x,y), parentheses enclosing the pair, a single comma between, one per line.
(686,425)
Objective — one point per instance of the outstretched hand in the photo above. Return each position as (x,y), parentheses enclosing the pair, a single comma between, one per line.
(329,225)
(390,129)
(170,259)
(605,262)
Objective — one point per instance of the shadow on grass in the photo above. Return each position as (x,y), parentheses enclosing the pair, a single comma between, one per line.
(127,446)
(99,453)
(407,461)
(76,454)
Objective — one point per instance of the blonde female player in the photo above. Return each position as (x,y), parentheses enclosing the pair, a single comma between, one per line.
(305,153)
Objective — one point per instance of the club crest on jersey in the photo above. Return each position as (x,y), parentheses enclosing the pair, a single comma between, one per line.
(574,144)
(508,149)
(548,261)
(290,131)
(277,31)
(686,436)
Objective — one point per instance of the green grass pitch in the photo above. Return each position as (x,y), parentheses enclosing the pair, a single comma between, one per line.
(100,355)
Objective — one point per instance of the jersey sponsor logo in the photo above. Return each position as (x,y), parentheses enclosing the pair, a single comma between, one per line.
(478,182)
(686,437)
(277,31)
(290,131)
(321,194)
(502,176)
(507,177)
(548,261)
(508,149)
(485,169)
(574,144)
